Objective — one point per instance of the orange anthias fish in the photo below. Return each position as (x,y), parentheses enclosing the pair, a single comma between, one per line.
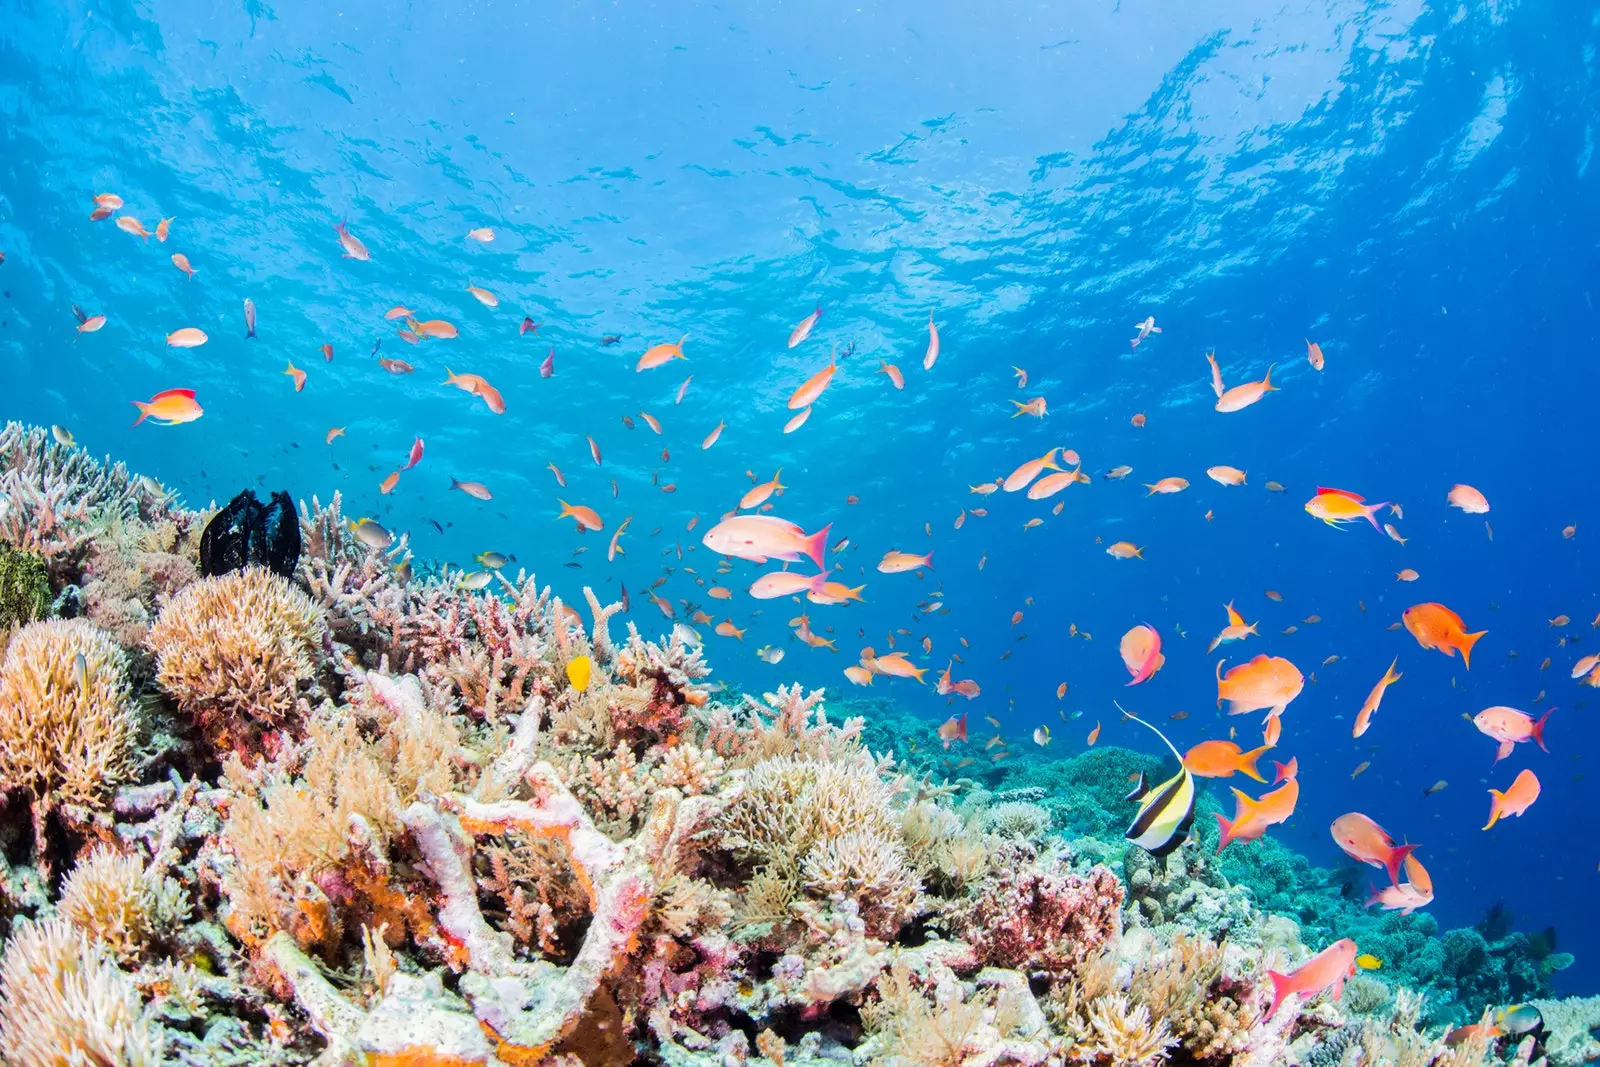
(1282,772)
(1269,682)
(803,328)
(807,394)
(169,408)
(1338,506)
(1125,550)
(1034,407)
(1051,484)
(1242,396)
(660,355)
(1468,500)
(1314,354)
(1223,759)
(1141,652)
(931,356)
(1167,485)
(1327,969)
(129,224)
(1030,470)
(181,261)
(787,583)
(1436,626)
(1223,474)
(895,665)
(353,248)
(836,593)
(1374,698)
(1514,801)
(727,629)
(387,485)
(472,489)
(477,386)
(1216,375)
(1364,840)
(437,328)
(1236,630)
(952,730)
(758,495)
(711,438)
(897,379)
(188,337)
(900,562)
(586,518)
(1511,727)
(298,376)
(1252,818)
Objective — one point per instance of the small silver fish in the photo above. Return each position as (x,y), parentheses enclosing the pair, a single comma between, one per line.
(493,560)
(151,486)
(63,436)
(474,580)
(769,654)
(686,634)
(80,668)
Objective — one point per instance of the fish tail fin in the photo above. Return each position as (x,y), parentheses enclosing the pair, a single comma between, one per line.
(1139,552)
(1280,772)
(1496,799)
(1374,895)
(1392,676)
(919,672)
(144,412)
(251,335)
(1147,485)
(679,347)
(777,485)
(1538,730)
(1465,644)
(1245,803)
(1371,512)
(927,561)
(1247,763)
(816,545)
(1021,407)
(1212,647)
(449,376)
(1224,831)
(566,508)
(1397,856)
(1282,986)
(1266,382)
(818,580)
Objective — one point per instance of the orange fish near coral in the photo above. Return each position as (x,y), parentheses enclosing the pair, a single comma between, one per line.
(1374,698)
(952,730)
(1141,652)
(1252,817)
(1364,840)
(1326,970)
(1514,801)
(1269,682)
(1436,626)
(1223,759)
(660,355)
(169,408)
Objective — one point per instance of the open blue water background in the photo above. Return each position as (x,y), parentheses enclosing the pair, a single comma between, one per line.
(1410,184)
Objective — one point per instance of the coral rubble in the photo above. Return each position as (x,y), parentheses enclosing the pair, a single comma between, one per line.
(358,816)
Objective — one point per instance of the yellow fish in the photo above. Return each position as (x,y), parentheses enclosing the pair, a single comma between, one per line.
(578,671)
(1368,962)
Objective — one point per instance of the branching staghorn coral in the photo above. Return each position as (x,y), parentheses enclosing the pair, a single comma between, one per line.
(68,724)
(240,653)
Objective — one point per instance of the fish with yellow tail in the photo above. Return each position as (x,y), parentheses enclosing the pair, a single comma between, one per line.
(1166,811)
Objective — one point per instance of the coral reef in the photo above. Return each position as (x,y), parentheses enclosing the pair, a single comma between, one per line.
(362,816)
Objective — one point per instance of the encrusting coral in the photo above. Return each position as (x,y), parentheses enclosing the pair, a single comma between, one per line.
(407,837)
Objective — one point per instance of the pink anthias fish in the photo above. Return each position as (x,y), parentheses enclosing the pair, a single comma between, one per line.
(759,538)
(1510,727)
(1327,969)
(787,583)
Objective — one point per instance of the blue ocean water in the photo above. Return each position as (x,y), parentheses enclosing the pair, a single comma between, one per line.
(1408,184)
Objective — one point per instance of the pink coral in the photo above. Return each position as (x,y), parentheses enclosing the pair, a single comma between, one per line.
(1037,920)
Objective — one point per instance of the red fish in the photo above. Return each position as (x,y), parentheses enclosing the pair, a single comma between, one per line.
(1327,969)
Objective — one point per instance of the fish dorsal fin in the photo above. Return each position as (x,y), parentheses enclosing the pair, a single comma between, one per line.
(1140,789)
(189,393)
(1325,490)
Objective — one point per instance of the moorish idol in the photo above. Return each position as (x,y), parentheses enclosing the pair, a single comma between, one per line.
(1166,812)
